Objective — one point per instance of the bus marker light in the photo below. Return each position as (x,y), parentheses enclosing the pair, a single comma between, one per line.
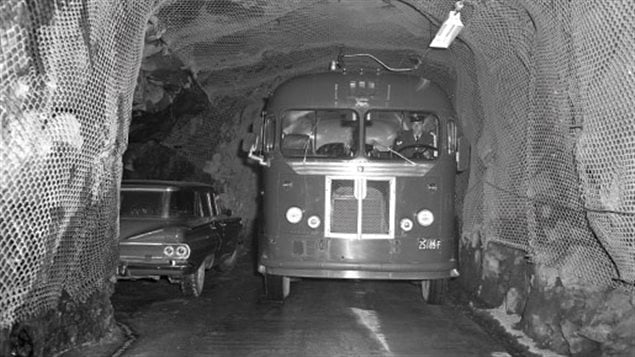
(294,215)
(314,222)
(406,224)
(425,217)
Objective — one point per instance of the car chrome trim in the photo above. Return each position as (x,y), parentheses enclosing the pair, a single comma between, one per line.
(142,235)
(151,189)
(144,243)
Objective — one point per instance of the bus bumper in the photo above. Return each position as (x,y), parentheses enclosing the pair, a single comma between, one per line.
(363,271)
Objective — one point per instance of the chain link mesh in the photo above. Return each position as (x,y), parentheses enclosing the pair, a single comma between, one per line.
(68,71)
(543,90)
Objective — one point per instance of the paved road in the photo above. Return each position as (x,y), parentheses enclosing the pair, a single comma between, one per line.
(320,318)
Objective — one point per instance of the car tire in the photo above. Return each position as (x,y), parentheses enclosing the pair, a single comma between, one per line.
(229,262)
(277,287)
(192,284)
(434,291)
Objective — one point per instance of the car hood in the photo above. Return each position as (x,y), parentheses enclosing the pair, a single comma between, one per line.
(133,227)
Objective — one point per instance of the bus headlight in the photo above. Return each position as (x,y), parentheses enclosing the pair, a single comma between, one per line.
(294,215)
(425,217)
(314,222)
(406,224)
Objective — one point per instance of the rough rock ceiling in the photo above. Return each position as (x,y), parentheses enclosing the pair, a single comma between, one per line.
(213,35)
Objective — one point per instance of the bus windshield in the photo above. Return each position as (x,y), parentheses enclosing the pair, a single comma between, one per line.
(319,134)
(401,135)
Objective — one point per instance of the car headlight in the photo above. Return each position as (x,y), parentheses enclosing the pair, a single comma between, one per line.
(183,251)
(294,214)
(179,251)
(168,251)
(314,221)
(425,217)
(406,224)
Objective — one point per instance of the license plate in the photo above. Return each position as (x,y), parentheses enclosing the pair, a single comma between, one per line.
(429,244)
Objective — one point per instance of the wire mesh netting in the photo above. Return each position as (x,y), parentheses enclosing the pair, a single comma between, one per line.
(68,71)
(543,90)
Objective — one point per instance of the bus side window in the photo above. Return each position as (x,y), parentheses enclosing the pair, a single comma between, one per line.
(451,132)
(269,133)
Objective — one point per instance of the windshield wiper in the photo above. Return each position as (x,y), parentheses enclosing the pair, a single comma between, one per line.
(394,152)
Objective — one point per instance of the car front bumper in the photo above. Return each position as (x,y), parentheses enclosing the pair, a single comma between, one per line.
(172,268)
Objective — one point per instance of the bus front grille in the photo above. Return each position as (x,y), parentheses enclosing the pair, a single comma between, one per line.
(344,215)
(344,206)
(375,213)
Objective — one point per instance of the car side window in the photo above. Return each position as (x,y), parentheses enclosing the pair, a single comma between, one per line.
(217,205)
(199,206)
(206,203)
(182,204)
(141,203)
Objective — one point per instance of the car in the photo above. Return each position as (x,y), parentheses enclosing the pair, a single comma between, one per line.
(176,230)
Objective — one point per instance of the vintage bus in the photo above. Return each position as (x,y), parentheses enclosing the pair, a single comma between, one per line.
(343,197)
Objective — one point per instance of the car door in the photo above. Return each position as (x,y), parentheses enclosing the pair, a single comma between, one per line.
(203,238)
(228,225)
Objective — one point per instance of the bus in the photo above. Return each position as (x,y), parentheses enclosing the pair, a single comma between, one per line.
(348,191)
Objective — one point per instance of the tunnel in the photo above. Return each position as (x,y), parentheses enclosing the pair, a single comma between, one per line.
(94,92)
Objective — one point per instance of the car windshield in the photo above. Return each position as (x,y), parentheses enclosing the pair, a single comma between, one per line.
(319,133)
(141,203)
(401,135)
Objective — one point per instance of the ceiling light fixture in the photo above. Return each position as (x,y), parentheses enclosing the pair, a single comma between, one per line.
(449,29)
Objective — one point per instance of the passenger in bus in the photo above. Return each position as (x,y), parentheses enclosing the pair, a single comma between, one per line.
(341,145)
(419,141)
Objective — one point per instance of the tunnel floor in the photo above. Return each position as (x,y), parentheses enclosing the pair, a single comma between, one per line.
(320,318)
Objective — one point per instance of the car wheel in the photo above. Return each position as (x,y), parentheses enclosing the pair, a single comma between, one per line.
(192,284)
(277,287)
(229,262)
(434,291)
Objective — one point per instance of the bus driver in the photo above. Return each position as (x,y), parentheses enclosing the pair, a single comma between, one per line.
(417,142)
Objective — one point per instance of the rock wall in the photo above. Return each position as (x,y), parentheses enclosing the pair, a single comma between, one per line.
(559,311)
(69,325)
(180,132)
